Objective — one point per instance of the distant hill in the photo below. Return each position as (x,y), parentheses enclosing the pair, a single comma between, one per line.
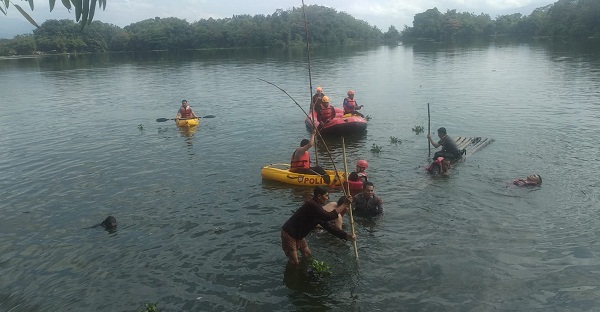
(13,26)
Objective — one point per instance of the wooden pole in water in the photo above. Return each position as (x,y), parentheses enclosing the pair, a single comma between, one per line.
(310,78)
(428,129)
(337,173)
(346,187)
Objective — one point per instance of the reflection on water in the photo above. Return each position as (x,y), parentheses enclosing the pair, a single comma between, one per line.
(309,289)
(188,132)
(199,227)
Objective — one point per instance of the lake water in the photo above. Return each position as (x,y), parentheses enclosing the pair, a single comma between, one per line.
(199,229)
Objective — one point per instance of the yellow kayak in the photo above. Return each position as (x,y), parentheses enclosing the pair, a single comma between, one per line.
(281,173)
(187,122)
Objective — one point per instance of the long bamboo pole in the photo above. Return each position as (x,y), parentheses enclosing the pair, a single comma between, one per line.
(337,173)
(346,187)
(316,147)
(428,129)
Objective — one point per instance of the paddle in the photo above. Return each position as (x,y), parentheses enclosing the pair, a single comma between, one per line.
(346,187)
(165,119)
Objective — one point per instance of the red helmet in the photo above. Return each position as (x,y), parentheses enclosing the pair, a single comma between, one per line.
(362,163)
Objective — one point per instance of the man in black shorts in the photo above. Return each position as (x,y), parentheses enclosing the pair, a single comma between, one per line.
(306,218)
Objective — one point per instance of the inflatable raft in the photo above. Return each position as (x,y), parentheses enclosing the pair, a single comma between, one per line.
(281,173)
(187,122)
(341,124)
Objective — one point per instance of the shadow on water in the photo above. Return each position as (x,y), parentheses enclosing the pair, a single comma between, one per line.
(18,302)
(357,140)
(300,192)
(188,133)
(309,290)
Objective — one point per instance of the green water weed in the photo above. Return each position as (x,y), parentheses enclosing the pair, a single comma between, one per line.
(418,129)
(375,149)
(320,267)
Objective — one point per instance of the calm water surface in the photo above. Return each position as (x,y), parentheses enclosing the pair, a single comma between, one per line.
(199,229)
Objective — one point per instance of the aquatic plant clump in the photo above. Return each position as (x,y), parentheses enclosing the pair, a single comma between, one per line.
(150,307)
(376,149)
(320,267)
(418,129)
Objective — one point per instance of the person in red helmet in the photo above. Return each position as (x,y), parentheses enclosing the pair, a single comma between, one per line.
(360,174)
(350,105)
(317,98)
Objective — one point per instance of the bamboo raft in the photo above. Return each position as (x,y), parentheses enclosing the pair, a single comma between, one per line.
(471,145)
(467,146)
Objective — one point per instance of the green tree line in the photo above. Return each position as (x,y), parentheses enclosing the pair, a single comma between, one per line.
(283,28)
(564,18)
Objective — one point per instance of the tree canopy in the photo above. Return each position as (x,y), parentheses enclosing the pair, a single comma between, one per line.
(564,18)
(284,28)
(281,29)
(84,9)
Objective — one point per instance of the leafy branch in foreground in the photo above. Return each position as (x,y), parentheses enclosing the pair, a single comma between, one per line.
(84,9)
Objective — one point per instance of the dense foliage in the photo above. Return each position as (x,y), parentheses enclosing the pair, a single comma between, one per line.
(280,29)
(565,18)
(84,9)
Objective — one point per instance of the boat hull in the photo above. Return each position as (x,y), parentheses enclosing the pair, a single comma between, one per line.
(187,122)
(340,125)
(281,173)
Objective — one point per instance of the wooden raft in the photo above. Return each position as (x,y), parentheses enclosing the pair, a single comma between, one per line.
(471,145)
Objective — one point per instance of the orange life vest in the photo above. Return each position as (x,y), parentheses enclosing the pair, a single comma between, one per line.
(350,107)
(185,112)
(326,112)
(317,98)
(302,162)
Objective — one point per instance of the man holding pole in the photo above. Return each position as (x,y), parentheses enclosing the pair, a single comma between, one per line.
(449,148)
(300,162)
(306,218)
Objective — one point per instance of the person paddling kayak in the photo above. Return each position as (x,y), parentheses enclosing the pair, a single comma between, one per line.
(185,111)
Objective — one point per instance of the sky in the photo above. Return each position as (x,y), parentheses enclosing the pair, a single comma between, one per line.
(380,13)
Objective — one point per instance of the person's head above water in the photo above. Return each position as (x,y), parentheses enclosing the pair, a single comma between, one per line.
(534,178)
(110,223)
